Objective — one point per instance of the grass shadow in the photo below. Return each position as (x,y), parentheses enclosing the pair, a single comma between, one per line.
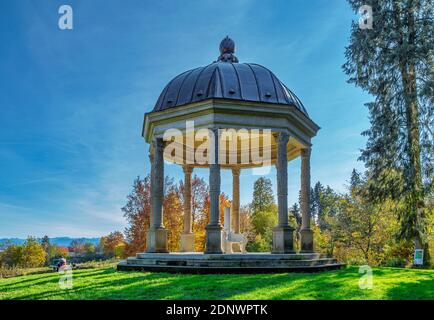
(339,284)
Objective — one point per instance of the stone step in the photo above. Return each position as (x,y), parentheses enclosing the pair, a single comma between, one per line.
(229,263)
(124,266)
(232,256)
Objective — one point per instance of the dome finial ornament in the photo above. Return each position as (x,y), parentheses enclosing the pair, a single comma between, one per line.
(227,50)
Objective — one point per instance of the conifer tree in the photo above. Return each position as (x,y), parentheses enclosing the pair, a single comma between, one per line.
(263,197)
(393,62)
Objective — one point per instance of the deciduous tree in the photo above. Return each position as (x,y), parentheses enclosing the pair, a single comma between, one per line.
(137,213)
(113,245)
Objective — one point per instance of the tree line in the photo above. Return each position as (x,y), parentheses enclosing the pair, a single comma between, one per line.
(346,225)
(41,252)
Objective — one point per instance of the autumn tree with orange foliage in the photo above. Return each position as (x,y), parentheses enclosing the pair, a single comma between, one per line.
(138,207)
(199,226)
(199,205)
(137,212)
(113,245)
(172,214)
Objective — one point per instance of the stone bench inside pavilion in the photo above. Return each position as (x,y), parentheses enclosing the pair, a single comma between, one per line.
(232,242)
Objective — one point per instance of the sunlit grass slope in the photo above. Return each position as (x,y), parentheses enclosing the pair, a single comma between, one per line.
(107,283)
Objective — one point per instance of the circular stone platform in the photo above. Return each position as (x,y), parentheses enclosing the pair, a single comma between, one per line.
(229,263)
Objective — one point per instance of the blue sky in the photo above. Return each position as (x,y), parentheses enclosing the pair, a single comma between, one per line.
(72,101)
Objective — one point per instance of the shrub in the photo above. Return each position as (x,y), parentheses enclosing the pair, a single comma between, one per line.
(396,262)
(9,272)
(356,262)
(260,244)
(97,264)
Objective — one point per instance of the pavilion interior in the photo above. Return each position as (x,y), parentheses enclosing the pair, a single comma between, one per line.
(247,151)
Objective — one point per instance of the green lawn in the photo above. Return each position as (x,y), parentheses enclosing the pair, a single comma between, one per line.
(107,283)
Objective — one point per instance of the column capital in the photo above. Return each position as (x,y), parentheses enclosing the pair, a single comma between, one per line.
(236,171)
(188,169)
(283,138)
(305,152)
(214,130)
(157,144)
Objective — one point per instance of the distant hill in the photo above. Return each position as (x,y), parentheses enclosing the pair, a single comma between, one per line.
(60,241)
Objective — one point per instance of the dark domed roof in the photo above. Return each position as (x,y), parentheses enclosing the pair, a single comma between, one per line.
(227,79)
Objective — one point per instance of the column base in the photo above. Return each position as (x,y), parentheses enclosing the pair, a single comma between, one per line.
(306,241)
(187,242)
(157,240)
(283,240)
(214,236)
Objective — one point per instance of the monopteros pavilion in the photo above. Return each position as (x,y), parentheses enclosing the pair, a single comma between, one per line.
(228,116)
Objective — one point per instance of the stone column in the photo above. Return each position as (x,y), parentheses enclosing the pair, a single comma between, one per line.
(283,241)
(151,161)
(214,228)
(187,237)
(157,234)
(236,200)
(306,234)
